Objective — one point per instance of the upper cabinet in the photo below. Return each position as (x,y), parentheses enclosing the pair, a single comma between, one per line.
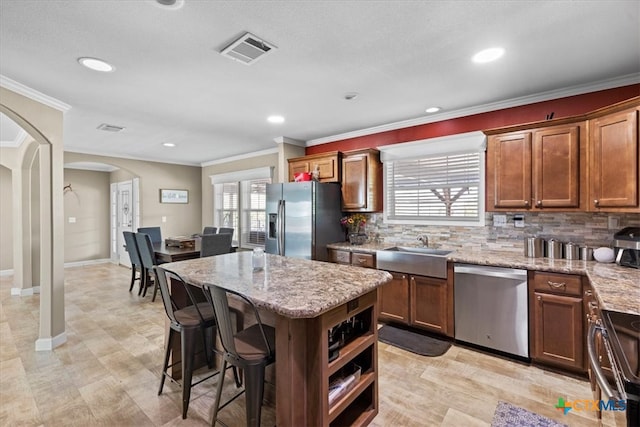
(585,163)
(537,169)
(361,181)
(327,164)
(614,161)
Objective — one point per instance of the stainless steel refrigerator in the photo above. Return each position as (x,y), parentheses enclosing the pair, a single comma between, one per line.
(302,218)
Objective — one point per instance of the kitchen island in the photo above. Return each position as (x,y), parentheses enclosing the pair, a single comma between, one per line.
(307,299)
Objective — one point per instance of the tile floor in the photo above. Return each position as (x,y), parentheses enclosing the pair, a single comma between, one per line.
(107,374)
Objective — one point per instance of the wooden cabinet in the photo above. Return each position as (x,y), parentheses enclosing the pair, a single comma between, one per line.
(614,161)
(361,181)
(393,299)
(327,164)
(429,303)
(557,329)
(537,169)
(419,301)
(359,405)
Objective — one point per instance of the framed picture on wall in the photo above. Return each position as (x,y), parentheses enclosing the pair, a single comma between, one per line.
(174,196)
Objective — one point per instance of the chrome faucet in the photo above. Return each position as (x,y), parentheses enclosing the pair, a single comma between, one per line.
(424,239)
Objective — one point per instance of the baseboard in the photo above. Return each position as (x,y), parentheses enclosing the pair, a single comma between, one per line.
(25,292)
(87,262)
(48,344)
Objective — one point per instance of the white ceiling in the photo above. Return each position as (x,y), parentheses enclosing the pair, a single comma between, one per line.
(172,85)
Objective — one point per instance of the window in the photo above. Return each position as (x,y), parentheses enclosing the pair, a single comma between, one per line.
(430,184)
(241,203)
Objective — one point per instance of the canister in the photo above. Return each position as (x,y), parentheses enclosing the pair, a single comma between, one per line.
(586,253)
(571,251)
(554,249)
(533,247)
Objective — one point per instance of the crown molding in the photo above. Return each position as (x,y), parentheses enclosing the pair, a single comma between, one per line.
(629,79)
(33,94)
(287,140)
(240,157)
(142,159)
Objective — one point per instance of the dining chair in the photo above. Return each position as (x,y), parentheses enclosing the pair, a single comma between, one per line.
(226,230)
(251,349)
(209,230)
(148,258)
(134,257)
(188,321)
(215,244)
(154,232)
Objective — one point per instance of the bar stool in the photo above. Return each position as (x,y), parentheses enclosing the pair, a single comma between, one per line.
(186,321)
(251,349)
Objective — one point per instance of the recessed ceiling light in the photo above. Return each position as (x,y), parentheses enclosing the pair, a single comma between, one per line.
(275,119)
(169,144)
(432,109)
(488,55)
(96,64)
(170,4)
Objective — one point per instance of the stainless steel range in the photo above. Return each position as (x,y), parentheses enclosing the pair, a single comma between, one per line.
(618,334)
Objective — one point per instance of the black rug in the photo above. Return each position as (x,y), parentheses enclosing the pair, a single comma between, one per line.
(413,341)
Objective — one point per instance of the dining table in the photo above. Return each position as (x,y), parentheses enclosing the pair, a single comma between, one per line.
(167,253)
(305,300)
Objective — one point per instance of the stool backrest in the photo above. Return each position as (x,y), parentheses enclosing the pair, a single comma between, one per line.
(145,249)
(226,230)
(154,232)
(209,230)
(215,244)
(132,247)
(163,276)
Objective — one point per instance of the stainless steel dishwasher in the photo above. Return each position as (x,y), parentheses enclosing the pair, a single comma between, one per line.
(491,307)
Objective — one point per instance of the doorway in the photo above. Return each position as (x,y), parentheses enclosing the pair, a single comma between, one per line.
(125,215)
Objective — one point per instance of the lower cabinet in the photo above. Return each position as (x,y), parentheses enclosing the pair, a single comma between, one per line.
(557,320)
(393,299)
(418,301)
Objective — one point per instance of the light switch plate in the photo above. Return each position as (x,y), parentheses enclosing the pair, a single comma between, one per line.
(499,220)
(72,219)
(164,219)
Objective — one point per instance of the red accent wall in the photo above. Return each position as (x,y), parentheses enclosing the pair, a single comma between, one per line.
(562,107)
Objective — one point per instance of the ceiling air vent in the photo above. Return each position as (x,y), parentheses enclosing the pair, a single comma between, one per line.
(247,49)
(110,128)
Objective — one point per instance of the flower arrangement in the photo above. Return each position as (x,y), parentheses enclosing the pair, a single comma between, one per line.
(354,223)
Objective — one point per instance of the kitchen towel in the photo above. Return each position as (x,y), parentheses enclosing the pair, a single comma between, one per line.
(412,341)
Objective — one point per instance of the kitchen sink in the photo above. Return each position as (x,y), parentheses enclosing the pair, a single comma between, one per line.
(414,260)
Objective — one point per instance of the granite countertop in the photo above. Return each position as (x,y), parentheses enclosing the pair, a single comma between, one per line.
(291,287)
(617,288)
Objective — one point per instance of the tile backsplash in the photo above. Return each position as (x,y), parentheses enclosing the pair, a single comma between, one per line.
(587,229)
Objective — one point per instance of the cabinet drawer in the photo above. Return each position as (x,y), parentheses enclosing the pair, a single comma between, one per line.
(363,260)
(558,283)
(339,257)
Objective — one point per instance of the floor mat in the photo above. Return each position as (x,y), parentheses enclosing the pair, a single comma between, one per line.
(508,415)
(413,341)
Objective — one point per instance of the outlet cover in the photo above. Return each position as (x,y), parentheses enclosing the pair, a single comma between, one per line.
(518,221)
(499,220)
(613,222)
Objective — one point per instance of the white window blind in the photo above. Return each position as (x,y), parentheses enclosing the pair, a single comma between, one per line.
(241,203)
(437,187)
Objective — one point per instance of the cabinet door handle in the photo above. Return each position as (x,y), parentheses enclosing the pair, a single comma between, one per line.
(557,285)
(588,293)
(596,202)
(539,298)
(539,203)
(526,203)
